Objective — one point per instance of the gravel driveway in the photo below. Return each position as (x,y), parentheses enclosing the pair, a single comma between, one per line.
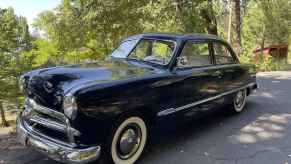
(261,134)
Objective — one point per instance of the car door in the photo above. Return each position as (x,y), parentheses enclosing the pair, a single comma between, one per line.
(233,73)
(200,79)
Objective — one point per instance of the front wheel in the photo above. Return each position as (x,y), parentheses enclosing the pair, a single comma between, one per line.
(239,101)
(128,141)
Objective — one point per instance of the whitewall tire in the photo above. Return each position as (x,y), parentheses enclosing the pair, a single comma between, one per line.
(239,101)
(129,141)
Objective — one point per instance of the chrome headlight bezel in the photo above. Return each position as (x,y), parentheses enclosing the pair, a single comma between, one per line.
(70,106)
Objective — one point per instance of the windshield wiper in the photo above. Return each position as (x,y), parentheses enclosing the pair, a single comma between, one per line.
(144,61)
(135,59)
(155,61)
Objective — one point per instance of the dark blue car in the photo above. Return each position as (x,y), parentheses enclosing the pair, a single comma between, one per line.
(105,110)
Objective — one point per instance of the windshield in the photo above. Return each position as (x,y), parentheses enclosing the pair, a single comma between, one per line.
(147,50)
(124,49)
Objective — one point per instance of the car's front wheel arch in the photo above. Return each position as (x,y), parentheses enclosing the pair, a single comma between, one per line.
(130,123)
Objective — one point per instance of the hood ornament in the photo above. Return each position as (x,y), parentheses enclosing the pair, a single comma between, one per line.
(49,87)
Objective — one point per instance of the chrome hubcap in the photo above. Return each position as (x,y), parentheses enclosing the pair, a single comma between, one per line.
(239,99)
(129,142)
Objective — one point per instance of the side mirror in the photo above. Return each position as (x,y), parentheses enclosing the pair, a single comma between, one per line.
(182,61)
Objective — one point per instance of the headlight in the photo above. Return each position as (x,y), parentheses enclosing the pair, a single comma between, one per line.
(70,106)
(21,83)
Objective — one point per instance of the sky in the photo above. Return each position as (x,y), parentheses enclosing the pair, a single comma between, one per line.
(29,8)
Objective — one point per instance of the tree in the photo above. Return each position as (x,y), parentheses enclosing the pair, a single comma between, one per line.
(78,30)
(3,118)
(237,4)
(14,39)
(90,29)
(278,23)
(265,23)
(208,15)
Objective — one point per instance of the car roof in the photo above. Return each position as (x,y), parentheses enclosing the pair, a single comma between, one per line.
(175,37)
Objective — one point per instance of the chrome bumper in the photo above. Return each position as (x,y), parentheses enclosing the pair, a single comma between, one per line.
(55,150)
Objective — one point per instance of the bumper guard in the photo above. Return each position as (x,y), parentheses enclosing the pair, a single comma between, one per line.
(54,150)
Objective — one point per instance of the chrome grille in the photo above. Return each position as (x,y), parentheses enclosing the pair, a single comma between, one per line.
(30,103)
(48,122)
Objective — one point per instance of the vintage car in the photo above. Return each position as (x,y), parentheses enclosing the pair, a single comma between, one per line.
(106,110)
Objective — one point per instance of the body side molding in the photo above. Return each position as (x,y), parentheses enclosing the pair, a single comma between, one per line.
(173,110)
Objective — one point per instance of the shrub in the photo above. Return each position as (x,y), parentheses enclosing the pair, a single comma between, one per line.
(265,63)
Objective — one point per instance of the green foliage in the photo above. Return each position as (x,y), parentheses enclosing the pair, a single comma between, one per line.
(263,64)
(79,30)
(14,40)
(178,16)
(269,64)
(266,23)
(278,23)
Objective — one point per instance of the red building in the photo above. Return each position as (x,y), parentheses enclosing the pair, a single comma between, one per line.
(278,52)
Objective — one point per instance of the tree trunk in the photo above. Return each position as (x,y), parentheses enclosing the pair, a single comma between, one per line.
(237,5)
(229,22)
(4,122)
(262,48)
(263,41)
(209,17)
(179,6)
(212,29)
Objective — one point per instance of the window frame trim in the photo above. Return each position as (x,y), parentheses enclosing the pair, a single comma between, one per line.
(155,39)
(210,48)
(229,48)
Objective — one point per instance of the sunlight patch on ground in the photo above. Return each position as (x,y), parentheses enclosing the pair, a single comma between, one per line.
(266,94)
(275,81)
(277,75)
(266,127)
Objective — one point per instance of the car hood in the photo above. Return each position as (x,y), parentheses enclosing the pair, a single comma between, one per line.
(68,77)
(49,85)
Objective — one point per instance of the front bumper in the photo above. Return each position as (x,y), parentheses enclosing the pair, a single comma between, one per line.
(55,150)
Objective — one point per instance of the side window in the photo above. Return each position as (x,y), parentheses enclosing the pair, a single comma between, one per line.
(222,54)
(194,54)
(142,50)
(162,49)
(154,51)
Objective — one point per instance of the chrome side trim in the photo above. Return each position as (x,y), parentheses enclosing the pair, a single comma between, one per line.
(173,110)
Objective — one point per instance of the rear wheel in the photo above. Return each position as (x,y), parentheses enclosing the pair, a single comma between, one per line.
(128,141)
(239,101)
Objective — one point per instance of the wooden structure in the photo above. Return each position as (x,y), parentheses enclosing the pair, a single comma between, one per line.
(278,52)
